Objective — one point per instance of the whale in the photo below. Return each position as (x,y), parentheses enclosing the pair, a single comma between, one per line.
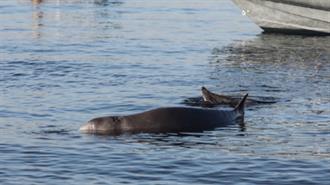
(211,99)
(167,120)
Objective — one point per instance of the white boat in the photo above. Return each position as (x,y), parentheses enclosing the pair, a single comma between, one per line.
(289,16)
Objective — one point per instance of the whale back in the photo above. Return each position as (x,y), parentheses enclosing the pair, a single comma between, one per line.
(179,119)
(167,120)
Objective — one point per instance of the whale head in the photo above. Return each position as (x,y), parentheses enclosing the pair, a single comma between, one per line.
(205,94)
(213,98)
(102,125)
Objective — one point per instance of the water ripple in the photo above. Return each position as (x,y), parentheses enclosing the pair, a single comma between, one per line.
(64,62)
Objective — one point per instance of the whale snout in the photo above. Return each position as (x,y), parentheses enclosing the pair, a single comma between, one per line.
(87,128)
(101,125)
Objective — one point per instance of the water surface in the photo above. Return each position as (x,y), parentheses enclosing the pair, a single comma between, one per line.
(64,62)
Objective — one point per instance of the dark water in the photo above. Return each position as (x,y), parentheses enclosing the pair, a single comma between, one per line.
(63,62)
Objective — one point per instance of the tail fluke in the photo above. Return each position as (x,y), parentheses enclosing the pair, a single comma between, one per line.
(240,106)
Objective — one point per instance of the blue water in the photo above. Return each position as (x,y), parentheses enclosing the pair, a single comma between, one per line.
(63,62)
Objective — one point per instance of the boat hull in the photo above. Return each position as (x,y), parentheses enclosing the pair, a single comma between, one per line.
(289,16)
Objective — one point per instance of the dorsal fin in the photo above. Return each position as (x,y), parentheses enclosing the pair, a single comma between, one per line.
(240,106)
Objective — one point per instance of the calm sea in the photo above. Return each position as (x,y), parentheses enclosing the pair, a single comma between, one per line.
(63,62)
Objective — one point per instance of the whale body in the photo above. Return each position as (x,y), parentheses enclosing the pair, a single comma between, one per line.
(167,120)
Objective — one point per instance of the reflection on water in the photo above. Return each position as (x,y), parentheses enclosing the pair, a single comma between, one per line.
(63,62)
(293,68)
(36,1)
(66,2)
(278,51)
(37,16)
(276,61)
(55,15)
